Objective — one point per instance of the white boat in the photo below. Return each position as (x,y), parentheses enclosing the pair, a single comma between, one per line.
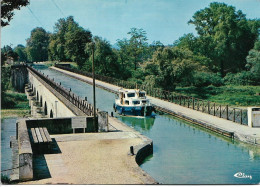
(133,102)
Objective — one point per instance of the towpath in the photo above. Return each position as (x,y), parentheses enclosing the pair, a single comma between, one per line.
(241,132)
(93,158)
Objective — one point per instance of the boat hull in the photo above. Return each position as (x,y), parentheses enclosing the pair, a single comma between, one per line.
(134,110)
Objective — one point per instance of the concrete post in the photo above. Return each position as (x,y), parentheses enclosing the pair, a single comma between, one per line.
(253,114)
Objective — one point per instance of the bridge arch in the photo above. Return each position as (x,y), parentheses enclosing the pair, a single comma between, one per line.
(37,96)
(51,114)
(45,109)
(40,101)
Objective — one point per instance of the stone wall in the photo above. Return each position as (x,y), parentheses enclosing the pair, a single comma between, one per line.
(25,152)
(58,125)
(19,77)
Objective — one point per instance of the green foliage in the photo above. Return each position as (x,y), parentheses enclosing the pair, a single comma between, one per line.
(7,9)
(225,36)
(13,100)
(133,51)
(37,45)
(203,79)
(5,179)
(7,52)
(169,67)
(226,95)
(104,58)
(6,101)
(68,41)
(241,78)
(21,52)
(253,63)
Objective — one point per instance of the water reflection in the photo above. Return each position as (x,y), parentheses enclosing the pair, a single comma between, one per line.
(138,122)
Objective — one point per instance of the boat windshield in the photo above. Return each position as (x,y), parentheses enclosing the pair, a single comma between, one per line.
(136,102)
(131,95)
(141,94)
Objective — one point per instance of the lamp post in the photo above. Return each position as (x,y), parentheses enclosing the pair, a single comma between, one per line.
(94,86)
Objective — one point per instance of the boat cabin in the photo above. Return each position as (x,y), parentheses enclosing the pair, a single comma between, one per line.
(133,97)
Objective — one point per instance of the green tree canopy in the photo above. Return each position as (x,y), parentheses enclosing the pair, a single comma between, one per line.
(7,52)
(169,67)
(68,41)
(137,46)
(253,62)
(7,8)
(105,59)
(225,35)
(21,51)
(37,45)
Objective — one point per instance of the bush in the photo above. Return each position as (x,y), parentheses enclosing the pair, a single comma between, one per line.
(203,79)
(7,102)
(5,179)
(241,78)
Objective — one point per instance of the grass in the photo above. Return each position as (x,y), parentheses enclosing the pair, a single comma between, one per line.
(13,113)
(239,96)
(14,104)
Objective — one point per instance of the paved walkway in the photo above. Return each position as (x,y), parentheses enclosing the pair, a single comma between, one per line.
(241,132)
(92,158)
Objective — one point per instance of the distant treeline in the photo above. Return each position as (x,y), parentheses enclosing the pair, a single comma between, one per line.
(226,50)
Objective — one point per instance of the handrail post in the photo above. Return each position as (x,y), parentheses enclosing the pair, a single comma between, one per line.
(214,106)
(208,107)
(227,112)
(234,116)
(241,117)
(220,111)
(193,102)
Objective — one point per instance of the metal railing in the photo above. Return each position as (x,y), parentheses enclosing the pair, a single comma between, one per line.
(83,105)
(222,111)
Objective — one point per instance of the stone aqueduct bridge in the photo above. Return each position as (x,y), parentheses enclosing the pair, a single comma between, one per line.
(53,107)
(51,99)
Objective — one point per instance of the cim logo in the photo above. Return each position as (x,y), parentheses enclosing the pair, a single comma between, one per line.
(242,175)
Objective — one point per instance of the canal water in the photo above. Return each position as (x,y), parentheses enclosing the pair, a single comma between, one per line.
(183,153)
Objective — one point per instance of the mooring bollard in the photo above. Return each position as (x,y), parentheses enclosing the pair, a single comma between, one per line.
(112,114)
(86,98)
(131,150)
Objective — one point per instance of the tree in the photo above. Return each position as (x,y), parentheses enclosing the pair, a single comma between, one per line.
(8,52)
(68,41)
(253,62)
(21,52)
(57,39)
(229,34)
(169,67)
(37,45)
(7,8)
(76,40)
(137,45)
(105,59)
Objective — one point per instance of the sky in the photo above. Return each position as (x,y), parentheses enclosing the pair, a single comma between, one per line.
(163,20)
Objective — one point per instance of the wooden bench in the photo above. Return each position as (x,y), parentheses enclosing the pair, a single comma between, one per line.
(41,139)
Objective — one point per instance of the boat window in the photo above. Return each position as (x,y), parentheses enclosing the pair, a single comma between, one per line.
(126,102)
(131,95)
(141,94)
(124,95)
(144,101)
(136,102)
